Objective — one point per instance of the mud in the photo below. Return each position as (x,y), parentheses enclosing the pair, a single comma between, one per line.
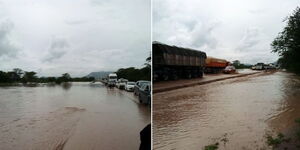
(82,116)
(237,113)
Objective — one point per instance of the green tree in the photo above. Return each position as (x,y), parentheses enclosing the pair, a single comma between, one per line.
(287,43)
(29,77)
(148,62)
(19,72)
(134,74)
(4,78)
(66,77)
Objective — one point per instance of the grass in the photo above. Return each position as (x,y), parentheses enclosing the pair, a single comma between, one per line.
(276,141)
(212,147)
(298,131)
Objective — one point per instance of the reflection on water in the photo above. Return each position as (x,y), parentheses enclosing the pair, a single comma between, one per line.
(70,116)
(66,85)
(243,110)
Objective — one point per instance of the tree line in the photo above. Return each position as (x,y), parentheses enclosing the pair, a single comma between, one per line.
(287,43)
(134,74)
(19,76)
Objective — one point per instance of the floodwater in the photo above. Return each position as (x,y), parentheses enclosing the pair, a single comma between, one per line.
(237,113)
(77,116)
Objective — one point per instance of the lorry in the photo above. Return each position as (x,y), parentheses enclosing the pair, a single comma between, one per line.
(172,62)
(215,65)
(111,79)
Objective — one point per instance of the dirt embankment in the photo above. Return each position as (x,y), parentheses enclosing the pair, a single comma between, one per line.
(172,85)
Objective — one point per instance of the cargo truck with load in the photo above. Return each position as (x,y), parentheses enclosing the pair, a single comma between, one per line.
(172,62)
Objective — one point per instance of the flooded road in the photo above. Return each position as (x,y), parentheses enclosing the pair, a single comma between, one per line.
(80,116)
(236,113)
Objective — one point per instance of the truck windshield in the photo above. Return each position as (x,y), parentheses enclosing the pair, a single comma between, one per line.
(113,77)
(130,83)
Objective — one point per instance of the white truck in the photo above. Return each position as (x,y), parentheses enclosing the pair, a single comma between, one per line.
(112,79)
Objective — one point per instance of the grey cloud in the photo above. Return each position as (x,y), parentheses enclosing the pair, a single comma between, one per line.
(203,36)
(191,24)
(195,34)
(75,22)
(6,47)
(98,35)
(256,11)
(54,55)
(57,49)
(250,39)
(59,43)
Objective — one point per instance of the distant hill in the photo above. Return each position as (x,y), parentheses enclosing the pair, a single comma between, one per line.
(99,75)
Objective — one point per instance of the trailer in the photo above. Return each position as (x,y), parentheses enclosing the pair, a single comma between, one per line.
(215,65)
(172,62)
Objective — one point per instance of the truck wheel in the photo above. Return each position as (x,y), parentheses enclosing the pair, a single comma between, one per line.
(140,99)
(166,77)
(189,76)
(175,77)
(201,74)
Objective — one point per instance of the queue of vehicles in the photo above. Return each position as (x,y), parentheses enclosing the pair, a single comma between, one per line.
(141,89)
(262,66)
(172,62)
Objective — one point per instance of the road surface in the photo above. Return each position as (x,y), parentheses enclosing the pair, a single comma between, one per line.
(237,113)
(163,86)
(81,116)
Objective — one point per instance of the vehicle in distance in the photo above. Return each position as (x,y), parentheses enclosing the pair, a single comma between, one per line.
(138,85)
(145,93)
(121,83)
(112,79)
(215,65)
(229,69)
(269,66)
(129,86)
(258,66)
(172,62)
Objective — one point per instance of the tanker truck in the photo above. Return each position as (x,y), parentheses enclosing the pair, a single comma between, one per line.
(215,65)
(172,62)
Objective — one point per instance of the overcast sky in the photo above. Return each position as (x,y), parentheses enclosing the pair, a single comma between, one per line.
(52,37)
(230,29)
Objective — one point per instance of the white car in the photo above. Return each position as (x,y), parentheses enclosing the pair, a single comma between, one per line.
(229,69)
(121,83)
(129,86)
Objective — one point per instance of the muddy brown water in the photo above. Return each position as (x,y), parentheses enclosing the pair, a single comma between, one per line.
(80,116)
(236,113)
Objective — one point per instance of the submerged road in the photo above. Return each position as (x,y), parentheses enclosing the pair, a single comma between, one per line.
(76,117)
(236,113)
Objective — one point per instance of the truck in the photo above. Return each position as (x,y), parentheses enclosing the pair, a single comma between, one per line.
(111,79)
(172,62)
(215,65)
(258,66)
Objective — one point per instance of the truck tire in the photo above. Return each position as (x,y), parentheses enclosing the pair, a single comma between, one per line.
(140,99)
(165,77)
(201,74)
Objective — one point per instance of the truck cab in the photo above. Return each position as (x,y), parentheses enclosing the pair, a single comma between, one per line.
(112,79)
